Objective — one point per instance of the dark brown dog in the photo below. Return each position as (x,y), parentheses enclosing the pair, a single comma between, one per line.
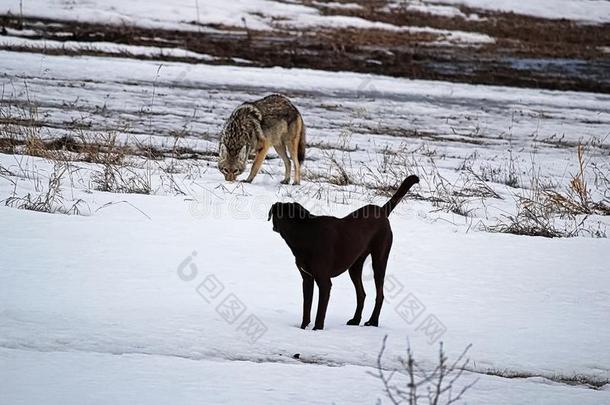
(325,247)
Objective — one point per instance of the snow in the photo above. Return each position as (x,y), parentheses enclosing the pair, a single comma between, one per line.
(156,14)
(151,379)
(257,14)
(125,303)
(422,7)
(261,14)
(590,11)
(344,6)
(277,78)
(106,47)
(457,121)
(465,120)
(106,289)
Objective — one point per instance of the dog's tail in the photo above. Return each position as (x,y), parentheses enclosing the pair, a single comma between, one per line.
(400,193)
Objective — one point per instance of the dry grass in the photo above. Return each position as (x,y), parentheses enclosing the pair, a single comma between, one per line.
(130,168)
(341,178)
(533,219)
(21,134)
(115,175)
(49,200)
(451,196)
(577,200)
(19,125)
(536,211)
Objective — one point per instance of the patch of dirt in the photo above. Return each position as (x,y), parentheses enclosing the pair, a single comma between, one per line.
(519,34)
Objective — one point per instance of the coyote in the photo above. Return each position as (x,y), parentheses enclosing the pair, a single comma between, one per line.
(256,126)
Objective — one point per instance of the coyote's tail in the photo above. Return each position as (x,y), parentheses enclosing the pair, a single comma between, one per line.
(301,151)
(400,193)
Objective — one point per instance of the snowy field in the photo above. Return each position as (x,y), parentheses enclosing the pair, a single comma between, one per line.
(182,293)
(264,14)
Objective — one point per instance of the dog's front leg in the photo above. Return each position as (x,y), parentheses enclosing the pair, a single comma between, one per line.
(307,298)
(324,285)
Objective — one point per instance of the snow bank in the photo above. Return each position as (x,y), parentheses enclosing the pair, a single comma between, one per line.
(591,11)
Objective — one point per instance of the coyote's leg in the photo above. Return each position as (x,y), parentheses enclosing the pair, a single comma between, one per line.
(294,156)
(258,160)
(281,150)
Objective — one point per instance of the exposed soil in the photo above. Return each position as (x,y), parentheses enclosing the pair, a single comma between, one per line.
(528,52)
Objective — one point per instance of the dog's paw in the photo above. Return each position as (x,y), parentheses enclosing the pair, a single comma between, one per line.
(246,181)
(371,323)
(304,325)
(318,327)
(285,181)
(354,321)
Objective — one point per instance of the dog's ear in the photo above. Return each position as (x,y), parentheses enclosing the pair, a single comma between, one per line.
(271,211)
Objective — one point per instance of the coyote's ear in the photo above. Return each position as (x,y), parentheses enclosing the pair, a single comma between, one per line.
(222,152)
(243,153)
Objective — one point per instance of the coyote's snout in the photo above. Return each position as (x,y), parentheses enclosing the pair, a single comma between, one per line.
(232,164)
(255,127)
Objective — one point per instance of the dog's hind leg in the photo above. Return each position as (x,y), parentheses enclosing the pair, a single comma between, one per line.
(324,285)
(307,297)
(380,262)
(355,273)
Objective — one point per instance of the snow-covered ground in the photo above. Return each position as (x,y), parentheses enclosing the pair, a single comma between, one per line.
(109,309)
(355,116)
(105,288)
(113,296)
(591,11)
(265,14)
(187,15)
(187,296)
(152,379)
(105,47)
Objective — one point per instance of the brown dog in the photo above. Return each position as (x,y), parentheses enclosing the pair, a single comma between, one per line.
(325,247)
